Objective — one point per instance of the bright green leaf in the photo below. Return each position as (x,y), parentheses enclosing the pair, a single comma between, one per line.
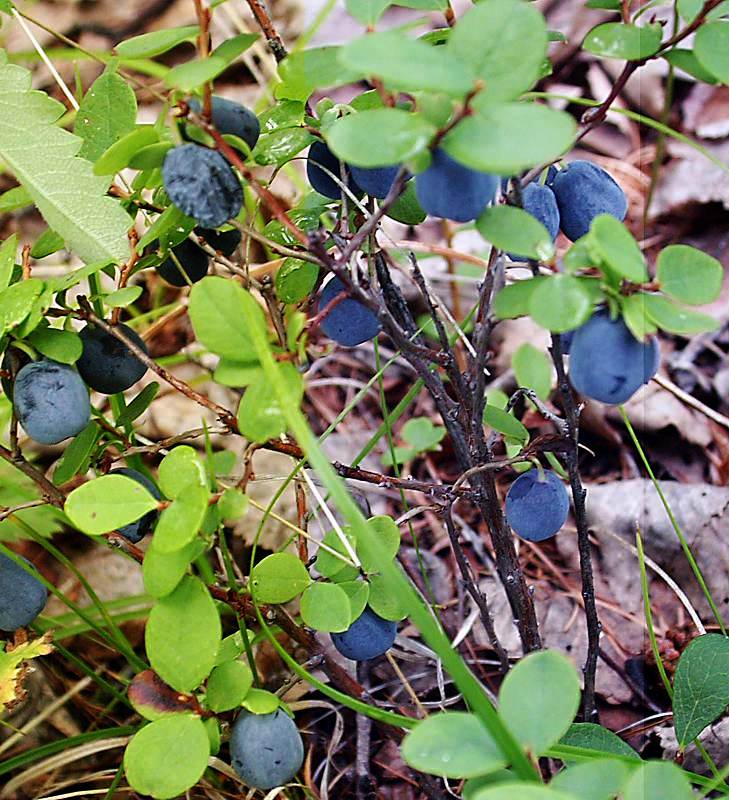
(689,275)
(180,468)
(180,522)
(108,503)
(149,45)
(626,42)
(617,248)
(505,423)
(513,229)
(326,607)
(560,303)
(532,369)
(278,578)
(108,111)
(674,318)
(711,46)
(658,780)
(228,685)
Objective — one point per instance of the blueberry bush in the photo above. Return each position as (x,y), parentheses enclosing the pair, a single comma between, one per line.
(269,230)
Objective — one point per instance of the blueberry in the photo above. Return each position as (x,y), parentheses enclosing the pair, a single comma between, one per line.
(51,401)
(136,531)
(537,508)
(321,156)
(540,202)
(202,184)
(106,364)
(224,242)
(448,189)
(566,340)
(231,117)
(584,191)
(376,182)
(349,323)
(266,749)
(193,260)
(22,596)
(607,363)
(369,636)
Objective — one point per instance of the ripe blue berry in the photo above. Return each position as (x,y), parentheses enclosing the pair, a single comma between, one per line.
(376,181)
(584,191)
(51,401)
(448,189)
(231,117)
(369,636)
(192,259)
(607,363)
(266,749)
(136,531)
(537,506)
(106,364)
(224,242)
(321,156)
(202,184)
(22,596)
(349,323)
(540,202)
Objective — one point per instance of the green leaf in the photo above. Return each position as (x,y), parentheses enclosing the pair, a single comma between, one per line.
(422,434)
(139,405)
(149,45)
(295,280)
(237,374)
(500,138)
(522,790)
(59,345)
(278,578)
(306,70)
(601,779)
(689,9)
(539,698)
(513,229)
(120,153)
(228,685)
(367,11)
(613,243)
(674,318)
(77,454)
(386,534)
(162,572)
(14,199)
(506,423)
(123,297)
(232,505)
(216,312)
(686,60)
(400,136)
(700,686)
(406,209)
(183,635)
(180,468)
(504,42)
(358,592)
(595,737)
(168,756)
(407,64)
(108,503)
(281,145)
(108,111)
(626,42)
(634,315)
(46,244)
(181,520)
(17,301)
(689,275)
(260,416)
(259,701)
(8,251)
(192,74)
(383,601)
(328,565)
(513,300)
(452,745)
(532,369)
(711,46)
(658,780)
(326,607)
(44,159)
(560,303)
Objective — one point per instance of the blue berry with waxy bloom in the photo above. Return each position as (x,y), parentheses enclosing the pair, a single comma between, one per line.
(537,505)
(231,117)
(22,595)
(451,190)
(540,202)
(51,401)
(224,242)
(106,364)
(266,749)
(136,531)
(375,181)
(349,322)
(202,184)
(369,636)
(584,191)
(319,163)
(607,363)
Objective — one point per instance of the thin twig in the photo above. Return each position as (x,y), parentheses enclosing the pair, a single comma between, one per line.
(275,43)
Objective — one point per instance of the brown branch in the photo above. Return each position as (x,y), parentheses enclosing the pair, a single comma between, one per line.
(583,539)
(50,492)
(126,272)
(275,43)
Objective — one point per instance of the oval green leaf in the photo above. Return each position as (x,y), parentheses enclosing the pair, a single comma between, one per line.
(228,685)
(675,319)
(613,243)
(659,779)
(513,229)
(326,607)
(626,42)
(108,503)
(278,578)
(689,275)
(560,303)
(149,45)
(711,47)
